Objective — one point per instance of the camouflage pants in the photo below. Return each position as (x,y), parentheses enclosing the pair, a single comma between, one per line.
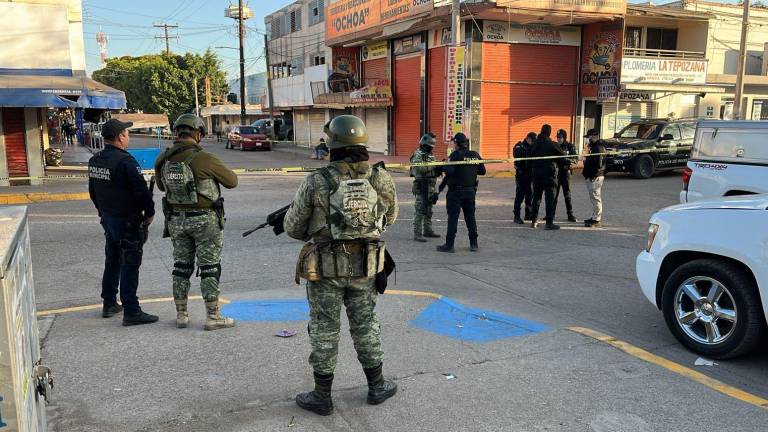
(422,220)
(325,299)
(201,237)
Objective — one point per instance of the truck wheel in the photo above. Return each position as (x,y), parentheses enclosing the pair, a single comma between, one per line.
(644,167)
(713,308)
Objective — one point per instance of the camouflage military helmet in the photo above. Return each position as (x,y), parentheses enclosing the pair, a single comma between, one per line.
(345,131)
(427,139)
(189,121)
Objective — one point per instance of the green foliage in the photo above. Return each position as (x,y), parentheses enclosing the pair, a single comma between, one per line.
(164,83)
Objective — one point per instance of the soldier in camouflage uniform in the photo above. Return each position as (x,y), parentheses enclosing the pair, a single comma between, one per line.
(425,179)
(195,226)
(342,252)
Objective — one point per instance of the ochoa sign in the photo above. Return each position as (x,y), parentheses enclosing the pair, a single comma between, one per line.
(348,16)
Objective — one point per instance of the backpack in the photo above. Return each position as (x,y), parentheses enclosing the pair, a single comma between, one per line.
(354,212)
(179,180)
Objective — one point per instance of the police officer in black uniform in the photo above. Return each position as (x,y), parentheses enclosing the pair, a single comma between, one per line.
(523,178)
(564,172)
(125,205)
(545,176)
(462,187)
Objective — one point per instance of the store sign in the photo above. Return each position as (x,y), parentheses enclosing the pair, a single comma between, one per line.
(663,71)
(636,96)
(395,10)
(607,89)
(454,98)
(610,7)
(497,31)
(345,17)
(407,45)
(379,92)
(439,37)
(600,55)
(375,51)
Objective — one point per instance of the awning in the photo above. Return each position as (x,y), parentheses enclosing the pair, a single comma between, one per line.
(58,92)
(674,88)
(231,110)
(143,121)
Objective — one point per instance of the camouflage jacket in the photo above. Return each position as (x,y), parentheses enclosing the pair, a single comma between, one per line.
(428,172)
(306,219)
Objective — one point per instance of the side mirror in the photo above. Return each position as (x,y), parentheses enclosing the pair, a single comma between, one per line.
(667,137)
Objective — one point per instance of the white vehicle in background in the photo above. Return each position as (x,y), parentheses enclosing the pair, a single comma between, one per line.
(729,158)
(706,267)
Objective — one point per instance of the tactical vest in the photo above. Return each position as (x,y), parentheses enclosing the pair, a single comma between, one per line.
(180,184)
(354,212)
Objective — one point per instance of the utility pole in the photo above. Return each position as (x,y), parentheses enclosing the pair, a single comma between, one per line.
(456,23)
(207,83)
(197,103)
(738,111)
(167,37)
(242,62)
(269,79)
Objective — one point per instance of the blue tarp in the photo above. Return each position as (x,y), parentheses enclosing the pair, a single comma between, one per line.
(33,98)
(58,92)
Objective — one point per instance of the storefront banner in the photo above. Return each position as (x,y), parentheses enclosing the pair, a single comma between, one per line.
(610,7)
(375,51)
(395,10)
(408,45)
(379,92)
(607,89)
(600,55)
(348,16)
(454,97)
(498,31)
(663,71)
(439,37)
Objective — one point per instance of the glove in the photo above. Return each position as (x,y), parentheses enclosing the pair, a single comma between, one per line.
(433,198)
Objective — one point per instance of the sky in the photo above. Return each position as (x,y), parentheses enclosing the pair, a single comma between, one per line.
(202,24)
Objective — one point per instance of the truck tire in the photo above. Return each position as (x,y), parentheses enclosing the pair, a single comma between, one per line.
(644,167)
(736,312)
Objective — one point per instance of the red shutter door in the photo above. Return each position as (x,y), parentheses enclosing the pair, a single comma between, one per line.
(15,145)
(541,89)
(436,95)
(407,105)
(375,69)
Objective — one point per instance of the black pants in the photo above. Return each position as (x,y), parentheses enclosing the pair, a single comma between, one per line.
(124,250)
(456,201)
(546,186)
(564,183)
(523,194)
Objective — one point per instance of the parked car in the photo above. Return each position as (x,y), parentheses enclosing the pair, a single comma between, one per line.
(247,138)
(729,158)
(661,144)
(277,129)
(706,269)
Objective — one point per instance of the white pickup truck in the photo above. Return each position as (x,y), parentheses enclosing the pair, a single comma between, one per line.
(729,158)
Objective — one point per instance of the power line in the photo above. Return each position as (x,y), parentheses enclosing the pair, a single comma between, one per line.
(167,38)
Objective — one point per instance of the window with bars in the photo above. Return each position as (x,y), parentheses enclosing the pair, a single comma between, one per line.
(316,12)
(295,20)
(633,37)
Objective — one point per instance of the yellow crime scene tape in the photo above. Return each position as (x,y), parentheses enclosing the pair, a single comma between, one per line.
(300,169)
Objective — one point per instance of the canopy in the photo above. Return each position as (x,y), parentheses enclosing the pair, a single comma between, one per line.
(58,92)
(142,121)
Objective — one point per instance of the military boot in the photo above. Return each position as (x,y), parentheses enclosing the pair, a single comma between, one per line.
(379,389)
(431,234)
(215,320)
(319,400)
(419,238)
(182,316)
(518,220)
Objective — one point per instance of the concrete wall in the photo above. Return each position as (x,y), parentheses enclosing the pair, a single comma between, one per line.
(296,90)
(3,157)
(33,137)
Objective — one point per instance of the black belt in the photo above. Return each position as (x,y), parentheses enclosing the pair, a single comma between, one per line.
(190,213)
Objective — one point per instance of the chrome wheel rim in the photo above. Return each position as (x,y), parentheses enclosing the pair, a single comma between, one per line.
(705,310)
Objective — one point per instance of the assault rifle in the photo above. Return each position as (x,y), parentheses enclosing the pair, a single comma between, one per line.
(274,219)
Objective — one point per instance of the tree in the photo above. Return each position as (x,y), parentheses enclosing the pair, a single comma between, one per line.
(164,83)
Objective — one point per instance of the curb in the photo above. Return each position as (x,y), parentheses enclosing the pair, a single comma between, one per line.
(38,197)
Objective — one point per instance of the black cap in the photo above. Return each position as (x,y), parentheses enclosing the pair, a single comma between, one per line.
(460,138)
(531,135)
(592,132)
(113,128)
(562,134)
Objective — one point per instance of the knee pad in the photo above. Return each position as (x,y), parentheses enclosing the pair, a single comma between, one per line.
(183,270)
(209,271)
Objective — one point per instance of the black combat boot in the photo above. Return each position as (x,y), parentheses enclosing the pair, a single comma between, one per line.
(431,234)
(319,400)
(445,248)
(551,226)
(572,218)
(419,238)
(518,220)
(139,319)
(111,309)
(473,245)
(379,389)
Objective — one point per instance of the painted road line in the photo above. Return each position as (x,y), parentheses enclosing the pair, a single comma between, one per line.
(673,367)
(414,293)
(29,198)
(73,309)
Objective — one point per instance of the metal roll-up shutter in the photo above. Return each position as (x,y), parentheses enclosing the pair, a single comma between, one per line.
(628,112)
(301,127)
(317,124)
(376,123)
(524,88)
(407,124)
(436,92)
(15,144)
(375,69)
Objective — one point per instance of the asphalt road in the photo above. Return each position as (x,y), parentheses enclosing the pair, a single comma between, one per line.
(157,377)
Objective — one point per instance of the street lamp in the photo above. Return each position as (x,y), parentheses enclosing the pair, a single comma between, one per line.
(240,13)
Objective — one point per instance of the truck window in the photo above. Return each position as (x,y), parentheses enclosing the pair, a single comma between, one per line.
(640,131)
(672,130)
(688,130)
(744,146)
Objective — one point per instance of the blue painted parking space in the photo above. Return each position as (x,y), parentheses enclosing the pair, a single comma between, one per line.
(268,310)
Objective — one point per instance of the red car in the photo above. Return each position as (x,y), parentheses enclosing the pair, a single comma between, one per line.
(247,138)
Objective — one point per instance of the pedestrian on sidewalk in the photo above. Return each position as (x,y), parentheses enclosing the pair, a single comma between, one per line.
(462,190)
(545,177)
(523,177)
(564,172)
(424,182)
(194,217)
(317,215)
(126,209)
(594,174)
(321,150)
